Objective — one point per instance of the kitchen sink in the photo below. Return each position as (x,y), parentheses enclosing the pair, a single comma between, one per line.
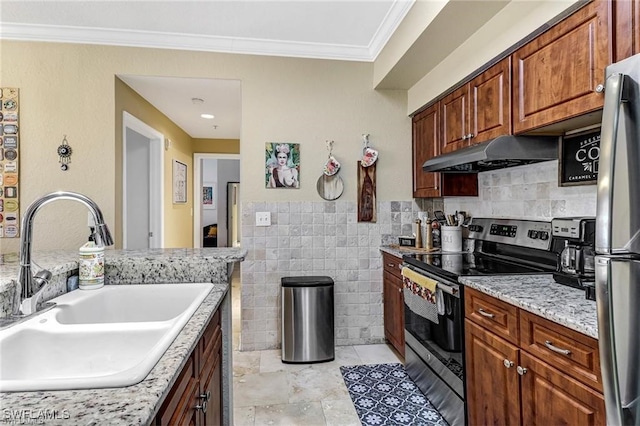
(109,337)
(129,303)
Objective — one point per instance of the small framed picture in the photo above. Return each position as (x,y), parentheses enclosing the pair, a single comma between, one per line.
(208,196)
(282,165)
(179,182)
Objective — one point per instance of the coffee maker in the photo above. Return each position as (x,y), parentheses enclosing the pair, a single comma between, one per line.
(574,241)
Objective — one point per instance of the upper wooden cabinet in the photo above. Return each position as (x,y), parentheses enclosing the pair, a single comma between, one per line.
(455,110)
(478,111)
(555,75)
(491,103)
(627,29)
(426,145)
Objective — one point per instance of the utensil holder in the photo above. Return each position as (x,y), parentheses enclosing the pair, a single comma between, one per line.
(451,237)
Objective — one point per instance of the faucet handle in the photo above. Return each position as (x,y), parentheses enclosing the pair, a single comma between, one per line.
(40,279)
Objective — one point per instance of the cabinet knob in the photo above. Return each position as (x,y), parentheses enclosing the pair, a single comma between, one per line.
(507,363)
(464,137)
(206,396)
(202,407)
(470,136)
(600,88)
(399,290)
(521,370)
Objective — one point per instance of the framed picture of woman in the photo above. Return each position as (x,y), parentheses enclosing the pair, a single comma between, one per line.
(282,165)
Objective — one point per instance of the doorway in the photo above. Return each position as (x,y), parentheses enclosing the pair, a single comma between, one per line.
(213,171)
(142,195)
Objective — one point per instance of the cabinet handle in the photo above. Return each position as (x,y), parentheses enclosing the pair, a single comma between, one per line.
(485,313)
(202,407)
(399,290)
(550,346)
(206,396)
(390,265)
(599,88)
(507,363)
(521,370)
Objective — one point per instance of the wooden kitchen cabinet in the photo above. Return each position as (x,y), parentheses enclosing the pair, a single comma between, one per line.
(550,376)
(626,26)
(556,74)
(478,111)
(393,302)
(493,388)
(426,145)
(196,397)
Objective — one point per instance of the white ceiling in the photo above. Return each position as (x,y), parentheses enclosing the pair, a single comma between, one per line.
(346,30)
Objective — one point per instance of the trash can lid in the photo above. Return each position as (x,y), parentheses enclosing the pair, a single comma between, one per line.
(306,281)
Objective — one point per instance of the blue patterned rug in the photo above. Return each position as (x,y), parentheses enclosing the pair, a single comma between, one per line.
(384,394)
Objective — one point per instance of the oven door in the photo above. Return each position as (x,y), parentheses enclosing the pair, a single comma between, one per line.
(434,348)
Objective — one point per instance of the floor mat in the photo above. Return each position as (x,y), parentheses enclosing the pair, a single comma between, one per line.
(383,394)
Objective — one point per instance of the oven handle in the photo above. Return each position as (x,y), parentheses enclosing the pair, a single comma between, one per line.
(455,292)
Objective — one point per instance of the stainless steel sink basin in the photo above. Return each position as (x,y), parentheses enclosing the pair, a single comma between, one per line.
(109,337)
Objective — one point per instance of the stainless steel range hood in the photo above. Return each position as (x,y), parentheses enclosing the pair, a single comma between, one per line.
(499,153)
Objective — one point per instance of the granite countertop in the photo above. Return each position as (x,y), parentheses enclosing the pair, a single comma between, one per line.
(538,294)
(136,404)
(541,295)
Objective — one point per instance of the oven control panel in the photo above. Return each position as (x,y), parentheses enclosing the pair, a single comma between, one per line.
(503,230)
(525,233)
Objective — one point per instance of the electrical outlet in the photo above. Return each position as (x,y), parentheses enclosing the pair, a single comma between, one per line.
(263,218)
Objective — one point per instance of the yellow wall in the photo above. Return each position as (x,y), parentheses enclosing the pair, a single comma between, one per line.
(217,146)
(69,89)
(177,217)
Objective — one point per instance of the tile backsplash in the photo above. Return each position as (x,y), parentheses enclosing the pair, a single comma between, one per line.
(526,192)
(319,238)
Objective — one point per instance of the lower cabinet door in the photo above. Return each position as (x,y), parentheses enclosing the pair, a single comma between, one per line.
(179,407)
(550,397)
(493,385)
(211,390)
(393,311)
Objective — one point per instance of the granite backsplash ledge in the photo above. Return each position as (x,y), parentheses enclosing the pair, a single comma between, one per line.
(123,267)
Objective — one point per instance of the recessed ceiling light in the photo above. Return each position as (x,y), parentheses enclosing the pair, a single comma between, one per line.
(208,116)
(197,101)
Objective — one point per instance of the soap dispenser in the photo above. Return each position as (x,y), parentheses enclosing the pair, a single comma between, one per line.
(91,264)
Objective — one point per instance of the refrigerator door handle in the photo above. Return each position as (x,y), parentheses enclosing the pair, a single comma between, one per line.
(606,342)
(608,139)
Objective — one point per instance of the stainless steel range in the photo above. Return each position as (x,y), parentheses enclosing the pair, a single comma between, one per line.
(434,352)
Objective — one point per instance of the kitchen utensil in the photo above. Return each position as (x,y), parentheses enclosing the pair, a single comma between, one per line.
(440,217)
(369,155)
(330,187)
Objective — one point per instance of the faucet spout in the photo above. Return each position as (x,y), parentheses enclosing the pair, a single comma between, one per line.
(26,286)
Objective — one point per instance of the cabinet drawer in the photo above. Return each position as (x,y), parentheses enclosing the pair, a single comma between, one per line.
(392,264)
(495,315)
(571,352)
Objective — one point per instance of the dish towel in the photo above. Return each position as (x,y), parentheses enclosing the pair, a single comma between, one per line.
(420,296)
(419,284)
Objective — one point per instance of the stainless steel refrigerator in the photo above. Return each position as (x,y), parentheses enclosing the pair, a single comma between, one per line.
(618,243)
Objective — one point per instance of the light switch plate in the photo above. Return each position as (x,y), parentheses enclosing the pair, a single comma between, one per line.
(263,218)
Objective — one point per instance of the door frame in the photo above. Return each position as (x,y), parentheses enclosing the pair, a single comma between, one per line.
(197,191)
(156,175)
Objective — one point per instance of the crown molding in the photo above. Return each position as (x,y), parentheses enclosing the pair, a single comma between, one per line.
(390,23)
(159,40)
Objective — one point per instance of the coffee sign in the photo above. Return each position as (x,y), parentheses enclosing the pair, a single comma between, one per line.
(579,159)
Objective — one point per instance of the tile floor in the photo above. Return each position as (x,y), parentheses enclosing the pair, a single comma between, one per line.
(267,391)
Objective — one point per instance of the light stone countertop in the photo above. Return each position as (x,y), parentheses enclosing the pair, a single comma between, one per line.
(136,404)
(538,294)
(541,295)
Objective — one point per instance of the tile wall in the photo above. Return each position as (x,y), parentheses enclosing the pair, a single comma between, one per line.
(319,238)
(528,192)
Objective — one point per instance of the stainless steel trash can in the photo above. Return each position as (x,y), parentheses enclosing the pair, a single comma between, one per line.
(307,320)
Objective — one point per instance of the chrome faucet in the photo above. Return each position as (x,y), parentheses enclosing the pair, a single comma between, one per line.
(28,287)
